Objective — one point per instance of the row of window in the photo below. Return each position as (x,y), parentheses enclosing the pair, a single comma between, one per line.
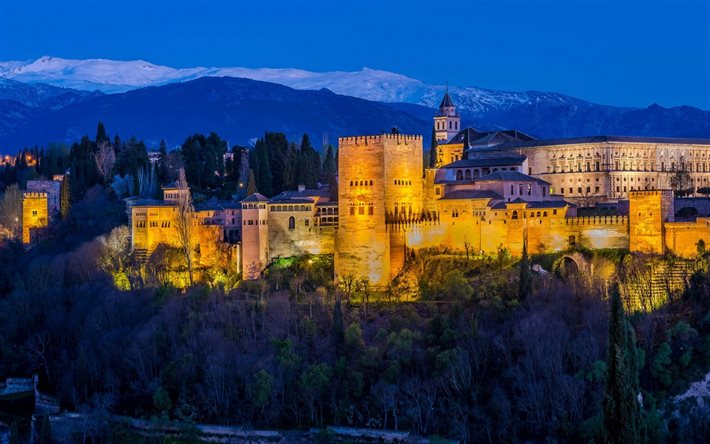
(402,182)
(278,208)
(624,166)
(476,173)
(361,210)
(441,125)
(251,206)
(254,222)
(361,183)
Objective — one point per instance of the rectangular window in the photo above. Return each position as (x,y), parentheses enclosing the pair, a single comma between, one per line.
(370,210)
(361,210)
(596,189)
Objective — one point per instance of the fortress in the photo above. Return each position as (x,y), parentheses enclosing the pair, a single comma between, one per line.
(487,191)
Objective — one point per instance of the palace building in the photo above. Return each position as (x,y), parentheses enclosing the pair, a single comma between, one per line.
(487,191)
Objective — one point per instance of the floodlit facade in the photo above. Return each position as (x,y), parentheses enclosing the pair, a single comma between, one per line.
(488,191)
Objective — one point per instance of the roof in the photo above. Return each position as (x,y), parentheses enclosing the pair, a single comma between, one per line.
(304,194)
(151,203)
(476,138)
(471,194)
(494,161)
(295,200)
(549,204)
(256,197)
(605,139)
(534,204)
(511,176)
(446,101)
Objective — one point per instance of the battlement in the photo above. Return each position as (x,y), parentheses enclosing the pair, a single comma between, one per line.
(379,138)
(597,220)
(34,195)
(646,193)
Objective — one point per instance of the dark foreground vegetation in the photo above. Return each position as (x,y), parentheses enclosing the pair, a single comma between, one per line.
(470,360)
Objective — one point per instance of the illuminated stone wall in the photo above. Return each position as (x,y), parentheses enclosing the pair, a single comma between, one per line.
(379,177)
(300,237)
(255,239)
(648,210)
(447,153)
(597,171)
(35,215)
(682,237)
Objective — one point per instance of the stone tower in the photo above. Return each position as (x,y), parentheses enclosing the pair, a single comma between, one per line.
(447,123)
(255,235)
(379,181)
(35,214)
(648,213)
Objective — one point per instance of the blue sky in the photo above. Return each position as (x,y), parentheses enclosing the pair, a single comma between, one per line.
(623,52)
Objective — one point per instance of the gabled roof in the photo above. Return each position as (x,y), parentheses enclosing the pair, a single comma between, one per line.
(486,162)
(256,197)
(478,138)
(510,176)
(471,194)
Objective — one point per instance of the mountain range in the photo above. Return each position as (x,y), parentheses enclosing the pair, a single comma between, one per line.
(55,99)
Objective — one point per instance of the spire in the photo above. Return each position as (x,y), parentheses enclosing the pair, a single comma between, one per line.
(446,102)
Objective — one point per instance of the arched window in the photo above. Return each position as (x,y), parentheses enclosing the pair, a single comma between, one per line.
(515,214)
(291,223)
(520,189)
(459,175)
(512,189)
(468,175)
(450,124)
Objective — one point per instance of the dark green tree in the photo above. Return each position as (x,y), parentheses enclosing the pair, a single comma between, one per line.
(101,135)
(82,168)
(338,325)
(251,184)
(525,280)
(65,197)
(163,170)
(328,169)
(621,406)
(308,164)
(291,173)
(264,176)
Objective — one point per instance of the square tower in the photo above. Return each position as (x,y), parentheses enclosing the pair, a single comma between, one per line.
(35,214)
(379,182)
(648,213)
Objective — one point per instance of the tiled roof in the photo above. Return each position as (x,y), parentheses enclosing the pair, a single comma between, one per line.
(471,194)
(494,161)
(510,176)
(256,197)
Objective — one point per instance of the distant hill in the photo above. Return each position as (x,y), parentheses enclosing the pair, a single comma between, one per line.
(241,110)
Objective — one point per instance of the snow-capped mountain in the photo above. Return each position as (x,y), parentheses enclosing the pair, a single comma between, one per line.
(112,76)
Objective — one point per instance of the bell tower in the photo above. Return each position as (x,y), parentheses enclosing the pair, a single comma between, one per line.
(447,123)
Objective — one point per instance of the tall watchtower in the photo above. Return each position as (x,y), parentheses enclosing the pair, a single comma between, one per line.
(255,235)
(35,214)
(379,180)
(648,213)
(447,122)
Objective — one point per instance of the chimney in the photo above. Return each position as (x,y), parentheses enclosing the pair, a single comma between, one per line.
(301,188)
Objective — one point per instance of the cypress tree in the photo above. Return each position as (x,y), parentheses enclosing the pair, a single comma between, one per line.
(163,168)
(432,150)
(65,197)
(525,281)
(338,325)
(14,434)
(251,185)
(328,169)
(622,410)
(264,177)
(101,135)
